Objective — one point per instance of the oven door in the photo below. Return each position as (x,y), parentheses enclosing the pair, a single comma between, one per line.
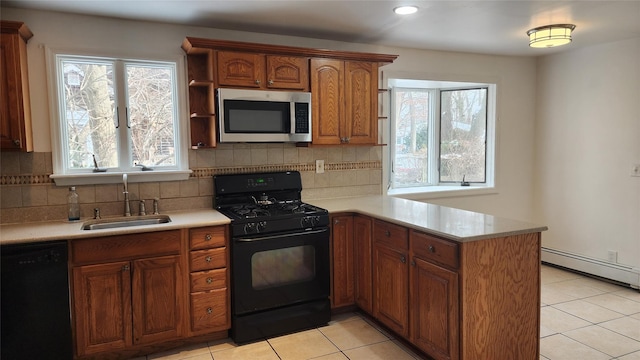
(278,270)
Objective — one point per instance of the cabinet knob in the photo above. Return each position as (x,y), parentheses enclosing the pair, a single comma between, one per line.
(432,249)
(125,268)
(16,142)
(336,221)
(403,259)
(270,82)
(387,233)
(209,311)
(209,280)
(413,263)
(208,259)
(258,82)
(207,237)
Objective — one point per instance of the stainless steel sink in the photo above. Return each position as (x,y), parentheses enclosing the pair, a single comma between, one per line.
(125,222)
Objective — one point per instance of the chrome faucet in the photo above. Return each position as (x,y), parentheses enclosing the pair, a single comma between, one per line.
(127,205)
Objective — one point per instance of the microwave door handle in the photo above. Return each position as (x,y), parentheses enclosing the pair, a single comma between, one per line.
(292,118)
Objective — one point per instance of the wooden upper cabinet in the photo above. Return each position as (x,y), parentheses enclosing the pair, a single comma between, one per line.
(361,100)
(15,112)
(240,69)
(287,72)
(259,71)
(327,106)
(344,98)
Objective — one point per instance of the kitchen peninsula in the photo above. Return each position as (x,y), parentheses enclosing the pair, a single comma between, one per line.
(456,284)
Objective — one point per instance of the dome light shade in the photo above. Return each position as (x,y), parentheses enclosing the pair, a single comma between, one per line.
(550,35)
(405,10)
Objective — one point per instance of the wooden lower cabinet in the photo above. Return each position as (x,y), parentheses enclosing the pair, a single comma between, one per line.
(434,310)
(391,288)
(342,255)
(127,303)
(363,271)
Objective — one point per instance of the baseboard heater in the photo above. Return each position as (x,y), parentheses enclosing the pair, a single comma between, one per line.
(620,273)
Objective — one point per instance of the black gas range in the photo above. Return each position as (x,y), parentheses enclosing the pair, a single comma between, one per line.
(279,255)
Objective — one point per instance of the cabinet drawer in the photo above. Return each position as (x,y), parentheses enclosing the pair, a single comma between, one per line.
(392,235)
(210,310)
(208,280)
(207,237)
(208,259)
(433,249)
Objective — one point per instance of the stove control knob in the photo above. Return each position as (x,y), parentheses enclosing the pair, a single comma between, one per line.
(309,221)
(249,228)
(261,226)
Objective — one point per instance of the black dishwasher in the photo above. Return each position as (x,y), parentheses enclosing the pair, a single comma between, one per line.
(34,305)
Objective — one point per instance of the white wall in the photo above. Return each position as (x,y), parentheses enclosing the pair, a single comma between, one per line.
(587,138)
(515,77)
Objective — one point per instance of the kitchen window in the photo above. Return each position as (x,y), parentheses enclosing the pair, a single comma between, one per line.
(115,116)
(442,136)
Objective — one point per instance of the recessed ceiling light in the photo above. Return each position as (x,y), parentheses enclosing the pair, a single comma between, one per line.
(405,10)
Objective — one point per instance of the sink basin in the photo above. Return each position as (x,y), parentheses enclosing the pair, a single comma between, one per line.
(125,222)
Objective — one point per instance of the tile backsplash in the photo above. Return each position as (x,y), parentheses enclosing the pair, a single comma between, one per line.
(28,194)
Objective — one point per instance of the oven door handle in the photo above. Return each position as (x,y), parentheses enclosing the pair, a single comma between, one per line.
(279,236)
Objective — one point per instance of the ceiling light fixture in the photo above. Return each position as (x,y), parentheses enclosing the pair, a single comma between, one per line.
(405,10)
(550,35)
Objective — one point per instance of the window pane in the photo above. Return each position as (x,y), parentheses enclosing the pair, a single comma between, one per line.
(412,137)
(151,112)
(88,98)
(463,128)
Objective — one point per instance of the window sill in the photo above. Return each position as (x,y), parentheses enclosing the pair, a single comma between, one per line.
(434,192)
(116,177)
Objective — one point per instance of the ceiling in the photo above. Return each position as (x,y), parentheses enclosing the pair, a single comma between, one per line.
(478,26)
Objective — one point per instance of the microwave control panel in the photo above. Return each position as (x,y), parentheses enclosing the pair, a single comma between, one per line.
(302,118)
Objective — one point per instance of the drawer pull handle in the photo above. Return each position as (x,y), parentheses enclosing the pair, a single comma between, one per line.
(209,311)
(208,259)
(209,280)
(207,237)
(432,249)
(388,233)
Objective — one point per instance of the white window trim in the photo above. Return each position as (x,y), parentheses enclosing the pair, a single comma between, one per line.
(443,190)
(65,178)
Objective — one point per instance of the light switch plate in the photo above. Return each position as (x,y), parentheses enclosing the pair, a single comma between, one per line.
(319,166)
(635,170)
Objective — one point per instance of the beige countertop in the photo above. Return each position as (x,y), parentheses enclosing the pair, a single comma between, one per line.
(454,224)
(65,230)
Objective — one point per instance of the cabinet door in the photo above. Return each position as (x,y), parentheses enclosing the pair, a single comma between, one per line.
(240,69)
(361,97)
(362,237)
(15,123)
(434,306)
(157,299)
(287,72)
(327,100)
(391,287)
(342,251)
(102,307)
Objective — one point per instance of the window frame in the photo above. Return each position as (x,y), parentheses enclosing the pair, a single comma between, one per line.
(437,189)
(62,175)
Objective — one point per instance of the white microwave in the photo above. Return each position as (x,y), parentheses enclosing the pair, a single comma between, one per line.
(263,116)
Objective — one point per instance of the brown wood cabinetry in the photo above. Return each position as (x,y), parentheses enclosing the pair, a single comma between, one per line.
(434,297)
(252,70)
(135,300)
(362,248)
(347,100)
(209,279)
(342,290)
(344,100)
(15,112)
(391,276)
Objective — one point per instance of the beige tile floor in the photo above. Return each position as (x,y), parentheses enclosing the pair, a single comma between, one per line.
(581,319)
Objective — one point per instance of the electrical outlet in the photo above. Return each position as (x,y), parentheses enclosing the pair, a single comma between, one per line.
(635,170)
(319,166)
(612,256)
